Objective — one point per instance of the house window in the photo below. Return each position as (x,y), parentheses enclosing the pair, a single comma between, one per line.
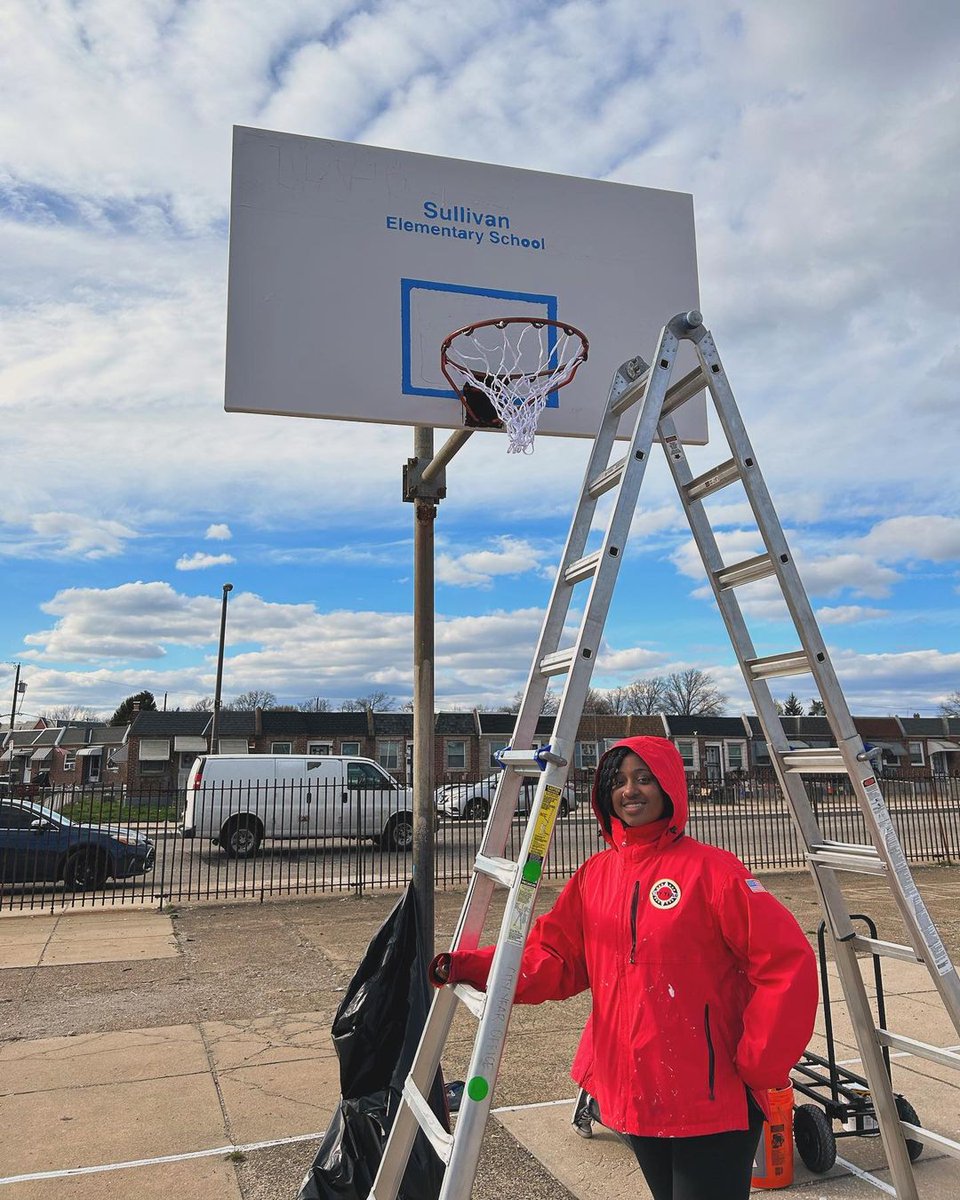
(350,748)
(735,756)
(455,755)
(187,759)
(281,747)
(687,749)
(153,766)
(70,760)
(495,748)
(585,755)
(319,747)
(916,753)
(388,755)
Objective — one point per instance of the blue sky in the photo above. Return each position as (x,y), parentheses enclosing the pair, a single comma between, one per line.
(820,144)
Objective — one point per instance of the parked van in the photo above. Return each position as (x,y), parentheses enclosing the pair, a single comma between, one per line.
(241,800)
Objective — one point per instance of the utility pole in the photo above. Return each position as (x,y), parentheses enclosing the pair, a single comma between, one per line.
(13,706)
(215,723)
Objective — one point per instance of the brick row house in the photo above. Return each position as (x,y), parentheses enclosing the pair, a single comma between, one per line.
(156,750)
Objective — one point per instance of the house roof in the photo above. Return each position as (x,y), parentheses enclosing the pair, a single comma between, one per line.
(393,724)
(314,724)
(455,724)
(704,726)
(500,724)
(168,724)
(923,726)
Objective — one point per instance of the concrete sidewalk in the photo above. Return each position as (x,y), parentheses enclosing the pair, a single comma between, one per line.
(180,1044)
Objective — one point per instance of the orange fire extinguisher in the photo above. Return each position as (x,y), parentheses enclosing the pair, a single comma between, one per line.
(773,1163)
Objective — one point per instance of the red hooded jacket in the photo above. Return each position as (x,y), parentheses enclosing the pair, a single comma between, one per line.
(703,984)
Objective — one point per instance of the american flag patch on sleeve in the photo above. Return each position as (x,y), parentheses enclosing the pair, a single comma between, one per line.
(754,885)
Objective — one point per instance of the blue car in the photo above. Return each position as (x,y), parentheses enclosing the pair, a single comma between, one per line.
(39,845)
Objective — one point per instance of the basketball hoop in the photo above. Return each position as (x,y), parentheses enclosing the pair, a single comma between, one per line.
(504,370)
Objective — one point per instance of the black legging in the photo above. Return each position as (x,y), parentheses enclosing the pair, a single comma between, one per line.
(716,1166)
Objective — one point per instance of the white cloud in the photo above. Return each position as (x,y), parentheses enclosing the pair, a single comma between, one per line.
(200,561)
(479,568)
(218,533)
(69,535)
(849,614)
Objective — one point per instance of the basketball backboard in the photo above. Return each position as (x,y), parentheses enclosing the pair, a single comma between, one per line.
(350,264)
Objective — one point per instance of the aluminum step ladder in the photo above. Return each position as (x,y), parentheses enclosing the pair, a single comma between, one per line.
(649,387)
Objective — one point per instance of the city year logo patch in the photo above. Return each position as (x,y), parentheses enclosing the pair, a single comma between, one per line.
(665,894)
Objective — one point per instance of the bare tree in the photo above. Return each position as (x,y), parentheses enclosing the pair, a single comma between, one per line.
(792,706)
(372,702)
(816,708)
(314,704)
(551,702)
(597,702)
(68,712)
(951,706)
(255,698)
(692,693)
(204,704)
(646,696)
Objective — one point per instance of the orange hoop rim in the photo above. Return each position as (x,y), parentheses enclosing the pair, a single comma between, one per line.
(501,323)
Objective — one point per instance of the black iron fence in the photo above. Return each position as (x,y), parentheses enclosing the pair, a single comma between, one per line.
(104,846)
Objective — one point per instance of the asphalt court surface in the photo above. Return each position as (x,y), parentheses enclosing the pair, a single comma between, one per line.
(230,1100)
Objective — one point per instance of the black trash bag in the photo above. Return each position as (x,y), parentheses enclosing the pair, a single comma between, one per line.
(375,1033)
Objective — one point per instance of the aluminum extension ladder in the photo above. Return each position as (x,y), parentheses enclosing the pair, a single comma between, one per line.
(649,387)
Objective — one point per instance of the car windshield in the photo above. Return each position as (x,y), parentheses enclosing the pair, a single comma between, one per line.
(46,814)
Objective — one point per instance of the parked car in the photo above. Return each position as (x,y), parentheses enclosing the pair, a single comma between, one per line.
(239,801)
(17,789)
(38,845)
(471,799)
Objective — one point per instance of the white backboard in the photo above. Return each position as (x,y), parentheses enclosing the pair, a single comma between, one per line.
(349,265)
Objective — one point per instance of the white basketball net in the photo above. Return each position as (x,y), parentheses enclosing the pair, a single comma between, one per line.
(516,363)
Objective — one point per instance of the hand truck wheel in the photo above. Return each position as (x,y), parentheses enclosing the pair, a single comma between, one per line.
(813,1135)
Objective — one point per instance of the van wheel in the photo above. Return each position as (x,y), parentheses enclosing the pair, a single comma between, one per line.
(399,833)
(241,837)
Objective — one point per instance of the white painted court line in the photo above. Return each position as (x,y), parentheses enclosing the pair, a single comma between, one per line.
(166,1158)
(866,1177)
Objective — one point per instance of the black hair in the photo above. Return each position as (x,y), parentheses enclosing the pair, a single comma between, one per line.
(607,773)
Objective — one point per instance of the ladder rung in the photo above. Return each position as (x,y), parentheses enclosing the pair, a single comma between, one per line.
(503,870)
(748,571)
(947,1145)
(583,568)
(885,949)
(439,1139)
(713,480)
(558,663)
(896,1041)
(835,856)
(471,998)
(608,478)
(683,390)
(819,760)
(529,762)
(772,665)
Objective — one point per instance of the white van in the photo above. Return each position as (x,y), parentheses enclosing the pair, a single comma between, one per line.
(241,800)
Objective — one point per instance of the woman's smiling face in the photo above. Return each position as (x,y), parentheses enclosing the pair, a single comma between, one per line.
(636,796)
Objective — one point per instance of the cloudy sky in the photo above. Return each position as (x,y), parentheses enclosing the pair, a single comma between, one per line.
(820,144)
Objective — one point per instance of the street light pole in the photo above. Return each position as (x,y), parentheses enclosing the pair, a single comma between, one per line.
(215,723)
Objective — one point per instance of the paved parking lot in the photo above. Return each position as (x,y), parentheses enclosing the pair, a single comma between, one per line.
(188,1050)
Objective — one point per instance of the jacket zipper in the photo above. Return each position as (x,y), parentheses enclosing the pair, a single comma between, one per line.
(711,1056)
(634,905)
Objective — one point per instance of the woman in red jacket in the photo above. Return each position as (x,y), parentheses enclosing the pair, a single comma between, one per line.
(704,986)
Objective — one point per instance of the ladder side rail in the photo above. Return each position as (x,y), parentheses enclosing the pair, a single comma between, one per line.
(426,1063)
(577,535)
(501,987)
(791,786)
(832,900)
(916,917)
(518,915)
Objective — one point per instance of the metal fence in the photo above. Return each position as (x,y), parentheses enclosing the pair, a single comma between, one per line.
(75,849)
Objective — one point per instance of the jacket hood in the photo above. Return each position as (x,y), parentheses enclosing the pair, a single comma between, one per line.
(664,760)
